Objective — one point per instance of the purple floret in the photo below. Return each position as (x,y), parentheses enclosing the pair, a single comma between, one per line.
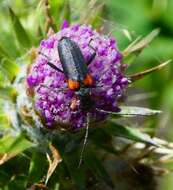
(51,95)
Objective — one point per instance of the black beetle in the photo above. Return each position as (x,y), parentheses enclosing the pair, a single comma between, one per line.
(78,77)
(76,71)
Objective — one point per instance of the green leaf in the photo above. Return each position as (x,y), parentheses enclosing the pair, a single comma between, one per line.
(103,140)
(133,110)
(19,30)
(97,168)
(92,11)
(14,145)
(129,111)
(137,45)
(8,45)
(9,68)
(4,121)
(57,186)
(57,11)
(37,167)
(66,11)
(139,75)
(77,174)
(7,92)
(3,52)
(40,20)
(97,12)
(129,133)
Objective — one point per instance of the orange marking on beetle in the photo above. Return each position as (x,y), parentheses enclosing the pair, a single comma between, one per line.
(73,85)
(88,81)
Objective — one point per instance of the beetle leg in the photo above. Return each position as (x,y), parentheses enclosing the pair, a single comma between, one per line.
(51,64)
(85,139)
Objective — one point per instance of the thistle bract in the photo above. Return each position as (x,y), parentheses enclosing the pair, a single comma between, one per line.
(52,98)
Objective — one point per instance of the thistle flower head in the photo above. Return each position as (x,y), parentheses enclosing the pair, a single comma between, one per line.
(52,97)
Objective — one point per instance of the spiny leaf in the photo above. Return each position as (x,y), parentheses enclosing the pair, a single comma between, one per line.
(139,45)
(142,74)
(97,168)
(19,30)
(9,67)
(129,133)
(11,146)
(129,58)
(132,111)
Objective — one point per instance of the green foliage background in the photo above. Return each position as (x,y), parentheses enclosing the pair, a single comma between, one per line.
(139,17)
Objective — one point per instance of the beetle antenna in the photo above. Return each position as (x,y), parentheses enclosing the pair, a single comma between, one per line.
(53,66)
(54,90)
(85,140)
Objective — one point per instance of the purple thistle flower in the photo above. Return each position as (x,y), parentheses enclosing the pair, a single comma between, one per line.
(52,102)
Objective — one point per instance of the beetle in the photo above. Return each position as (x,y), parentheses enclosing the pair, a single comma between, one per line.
(76,71)
(74,65)
(79,79)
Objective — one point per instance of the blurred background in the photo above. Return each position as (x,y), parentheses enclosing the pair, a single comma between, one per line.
(140,17)
(126,20)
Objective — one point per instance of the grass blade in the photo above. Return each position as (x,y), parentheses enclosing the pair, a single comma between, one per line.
(97,168)
(129,133)
(19,30)
(9,68)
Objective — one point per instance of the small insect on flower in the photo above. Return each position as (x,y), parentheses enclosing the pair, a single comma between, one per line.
(75,69)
